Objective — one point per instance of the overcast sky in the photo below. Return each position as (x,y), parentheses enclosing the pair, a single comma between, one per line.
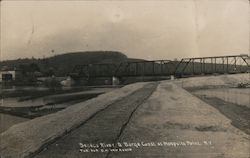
(140,29)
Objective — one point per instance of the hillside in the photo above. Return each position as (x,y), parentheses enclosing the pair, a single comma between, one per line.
(63,64)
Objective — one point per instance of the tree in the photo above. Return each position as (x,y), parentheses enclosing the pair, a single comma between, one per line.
(34,67)
(50,72)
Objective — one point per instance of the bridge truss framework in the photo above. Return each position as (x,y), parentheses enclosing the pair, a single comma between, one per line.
(184,67)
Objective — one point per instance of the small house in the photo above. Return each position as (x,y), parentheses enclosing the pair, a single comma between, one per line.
(7,75)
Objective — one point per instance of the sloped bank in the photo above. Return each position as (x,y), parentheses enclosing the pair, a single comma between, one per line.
(26,138)
(174,116)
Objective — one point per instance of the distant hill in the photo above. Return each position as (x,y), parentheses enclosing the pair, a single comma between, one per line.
(63,64)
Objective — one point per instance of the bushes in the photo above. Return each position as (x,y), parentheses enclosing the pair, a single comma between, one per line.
(52,82)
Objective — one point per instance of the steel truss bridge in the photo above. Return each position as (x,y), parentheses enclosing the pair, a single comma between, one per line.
(182,68)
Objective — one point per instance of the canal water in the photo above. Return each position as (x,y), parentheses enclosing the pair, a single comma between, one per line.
(238,96)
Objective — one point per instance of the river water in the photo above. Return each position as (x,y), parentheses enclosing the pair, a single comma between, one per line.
(47,101)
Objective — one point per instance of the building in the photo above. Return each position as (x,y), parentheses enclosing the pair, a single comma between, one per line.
(7,75)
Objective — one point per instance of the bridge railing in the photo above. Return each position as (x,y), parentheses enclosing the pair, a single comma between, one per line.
(213,65)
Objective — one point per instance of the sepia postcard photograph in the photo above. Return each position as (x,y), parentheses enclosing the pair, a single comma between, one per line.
(124,78)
